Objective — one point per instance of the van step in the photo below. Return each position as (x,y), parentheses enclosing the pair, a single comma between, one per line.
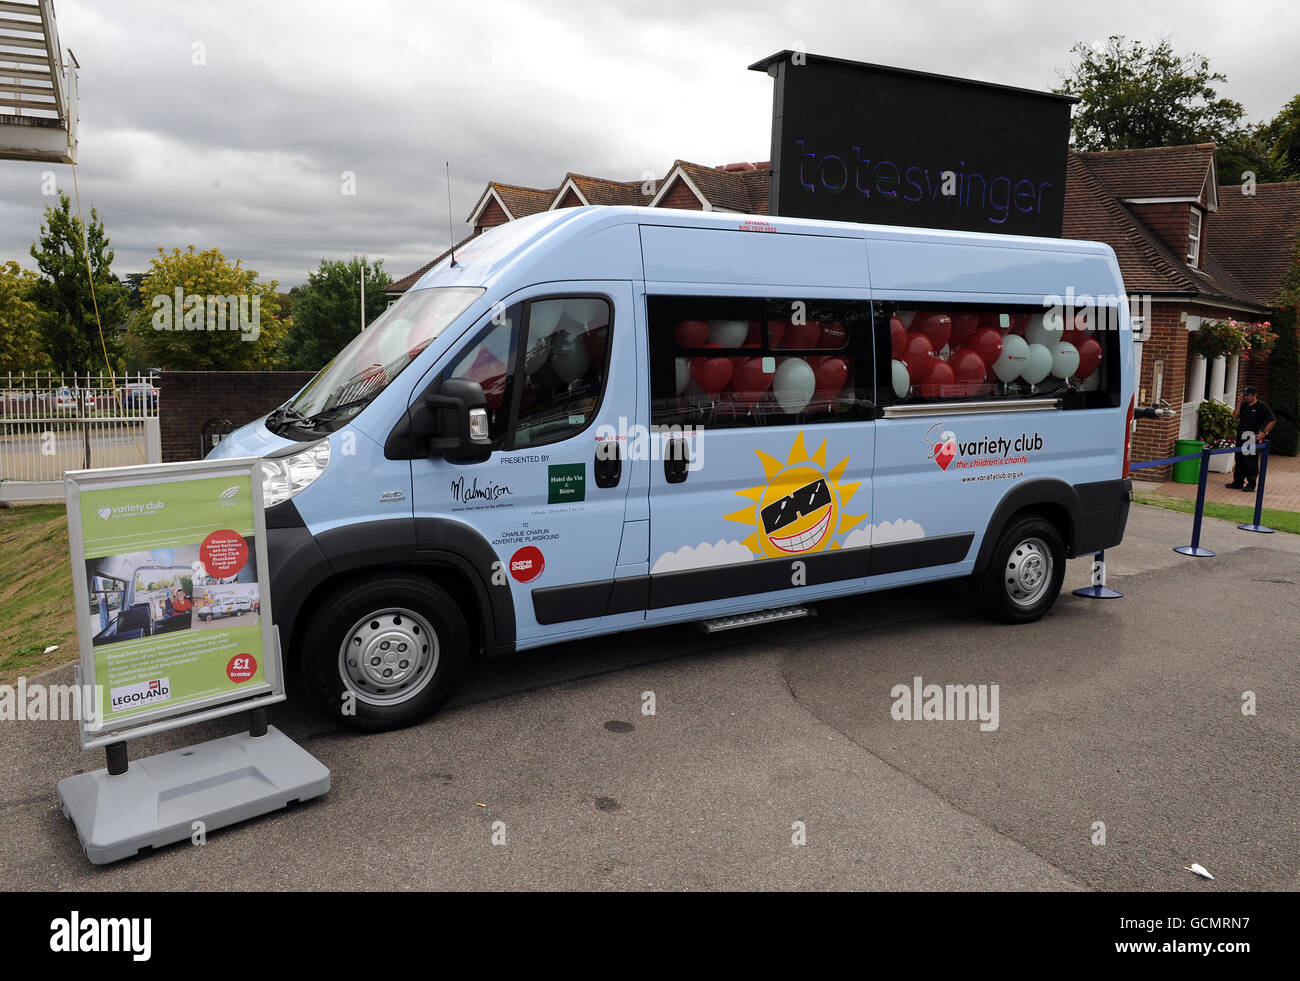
(752,619)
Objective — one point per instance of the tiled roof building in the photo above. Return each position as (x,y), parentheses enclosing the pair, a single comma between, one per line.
(1197,251)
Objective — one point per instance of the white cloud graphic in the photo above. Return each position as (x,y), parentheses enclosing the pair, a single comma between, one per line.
(702,556)
(902,530)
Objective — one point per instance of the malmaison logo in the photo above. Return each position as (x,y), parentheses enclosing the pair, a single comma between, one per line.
(142,693)
(106,511)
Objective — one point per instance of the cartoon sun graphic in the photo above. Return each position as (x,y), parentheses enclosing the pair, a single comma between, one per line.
(800,508)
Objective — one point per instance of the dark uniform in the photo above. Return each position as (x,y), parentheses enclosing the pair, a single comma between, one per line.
(1251,419)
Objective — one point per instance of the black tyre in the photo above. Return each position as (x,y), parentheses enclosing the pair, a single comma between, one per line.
(383,653)
(1025,571)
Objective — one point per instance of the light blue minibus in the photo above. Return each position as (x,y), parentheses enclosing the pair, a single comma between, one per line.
(600,419)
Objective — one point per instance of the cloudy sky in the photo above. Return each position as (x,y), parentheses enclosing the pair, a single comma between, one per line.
(245,150)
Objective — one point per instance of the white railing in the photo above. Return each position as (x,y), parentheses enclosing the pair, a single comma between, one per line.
(52,423)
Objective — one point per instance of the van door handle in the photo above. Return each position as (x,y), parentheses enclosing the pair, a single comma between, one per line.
(609,463)
(677,460)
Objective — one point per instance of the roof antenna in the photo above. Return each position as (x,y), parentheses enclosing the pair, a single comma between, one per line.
(450,234)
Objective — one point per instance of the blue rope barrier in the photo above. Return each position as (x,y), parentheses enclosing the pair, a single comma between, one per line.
(1098,590)
(1148,464)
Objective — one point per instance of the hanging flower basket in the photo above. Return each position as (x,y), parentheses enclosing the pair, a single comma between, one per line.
(1219,339)
(1232,339)
(1260,339)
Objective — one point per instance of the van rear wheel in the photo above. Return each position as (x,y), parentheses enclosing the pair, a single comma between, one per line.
(384,653)
(1025,571)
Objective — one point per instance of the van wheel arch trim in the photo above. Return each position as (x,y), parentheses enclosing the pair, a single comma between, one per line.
(412,543)
(1026,496)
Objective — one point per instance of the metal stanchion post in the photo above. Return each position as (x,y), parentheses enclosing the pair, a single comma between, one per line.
(1099,589)
(1195,549)
(1259,526)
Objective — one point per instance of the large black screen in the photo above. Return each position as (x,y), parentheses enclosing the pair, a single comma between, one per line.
(857,142)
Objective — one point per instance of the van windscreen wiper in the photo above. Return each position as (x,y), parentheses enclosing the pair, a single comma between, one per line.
(288,415)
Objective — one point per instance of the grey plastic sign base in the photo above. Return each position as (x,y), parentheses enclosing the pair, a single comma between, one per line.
(158,799)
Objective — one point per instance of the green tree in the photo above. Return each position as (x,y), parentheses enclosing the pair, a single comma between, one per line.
(133,281)
(287,301)
(1280,141)
(1135,95)
(222,319)
(327,311)
(21,343)
(1285,369)
(64,295)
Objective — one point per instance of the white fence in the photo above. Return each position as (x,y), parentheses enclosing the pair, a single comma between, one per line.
(50,424)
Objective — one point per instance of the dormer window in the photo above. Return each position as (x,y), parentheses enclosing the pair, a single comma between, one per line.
(1194,238)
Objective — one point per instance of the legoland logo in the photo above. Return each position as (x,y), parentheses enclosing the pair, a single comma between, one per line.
(144,693)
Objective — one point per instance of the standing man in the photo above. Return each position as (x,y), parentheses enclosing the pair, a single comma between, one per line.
(1253,416)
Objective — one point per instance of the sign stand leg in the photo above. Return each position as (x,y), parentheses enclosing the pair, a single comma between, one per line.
(257,722)
(118,761)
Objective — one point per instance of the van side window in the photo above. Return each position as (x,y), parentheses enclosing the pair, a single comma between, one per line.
(727,362)
(952,352)
(489,359)
(566,352)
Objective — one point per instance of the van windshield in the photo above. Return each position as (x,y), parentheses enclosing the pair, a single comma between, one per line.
(372,360)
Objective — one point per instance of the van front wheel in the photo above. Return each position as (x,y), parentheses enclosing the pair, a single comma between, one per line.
(1025,571)
(384,653)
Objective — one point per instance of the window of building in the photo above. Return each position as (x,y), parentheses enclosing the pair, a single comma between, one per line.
(1194,238)
(946,352)
(726,362)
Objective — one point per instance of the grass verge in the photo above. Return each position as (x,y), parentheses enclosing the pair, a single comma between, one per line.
(35,591)
(1288,521)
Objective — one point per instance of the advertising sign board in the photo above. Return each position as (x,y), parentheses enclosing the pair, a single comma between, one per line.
(169,577)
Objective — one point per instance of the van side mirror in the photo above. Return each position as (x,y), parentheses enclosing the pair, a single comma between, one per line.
(454,422)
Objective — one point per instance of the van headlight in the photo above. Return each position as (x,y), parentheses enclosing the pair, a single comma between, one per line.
(283,477)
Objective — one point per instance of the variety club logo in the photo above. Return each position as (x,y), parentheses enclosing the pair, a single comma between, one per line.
(989,451)
(943,446)
(106,511)
(801,505)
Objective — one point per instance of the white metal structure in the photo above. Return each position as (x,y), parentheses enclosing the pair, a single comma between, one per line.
(38,87)
(50,424)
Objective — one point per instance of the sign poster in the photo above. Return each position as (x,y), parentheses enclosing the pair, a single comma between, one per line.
(169,564)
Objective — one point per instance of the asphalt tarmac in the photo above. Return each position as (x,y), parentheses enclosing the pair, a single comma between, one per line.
(1121,754)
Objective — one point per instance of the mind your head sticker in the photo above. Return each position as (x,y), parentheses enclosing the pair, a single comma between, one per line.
(801,505)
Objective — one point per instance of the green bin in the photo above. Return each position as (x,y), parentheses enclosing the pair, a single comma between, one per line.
(1187,471)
